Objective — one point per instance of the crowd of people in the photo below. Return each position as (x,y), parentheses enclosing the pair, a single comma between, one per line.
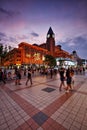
(66,75)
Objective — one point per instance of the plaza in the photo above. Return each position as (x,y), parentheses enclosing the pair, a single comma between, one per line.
(44,42)
(42,106)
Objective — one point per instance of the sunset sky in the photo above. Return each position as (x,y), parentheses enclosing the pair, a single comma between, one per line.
(29,21)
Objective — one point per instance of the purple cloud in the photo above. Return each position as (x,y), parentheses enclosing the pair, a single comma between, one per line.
(2,35)
(22,37)
(79,44)
(35,34)
(8,12)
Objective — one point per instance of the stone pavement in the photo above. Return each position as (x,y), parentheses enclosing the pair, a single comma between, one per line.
(42,106)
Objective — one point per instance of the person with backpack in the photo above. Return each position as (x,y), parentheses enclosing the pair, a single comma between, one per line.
(62,78)
(68,80)
(29,77)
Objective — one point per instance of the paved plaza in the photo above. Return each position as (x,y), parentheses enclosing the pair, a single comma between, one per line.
(42,106)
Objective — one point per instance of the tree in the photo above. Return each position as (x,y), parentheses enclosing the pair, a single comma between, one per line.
(1,49)
(3,52)
(9,48)
(50,60)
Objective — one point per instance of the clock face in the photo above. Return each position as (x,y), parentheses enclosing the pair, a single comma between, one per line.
(53,35)
(48,35)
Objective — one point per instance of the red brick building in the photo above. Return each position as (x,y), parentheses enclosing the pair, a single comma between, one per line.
(34,54)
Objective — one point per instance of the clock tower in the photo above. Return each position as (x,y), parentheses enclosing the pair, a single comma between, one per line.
(50,41)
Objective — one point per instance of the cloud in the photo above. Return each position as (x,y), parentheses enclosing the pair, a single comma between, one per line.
(7,15)
(4,11)
(12,40)
(35,34)
(68,42)
(7,40)
(79,44)
(2,35)
(22,37)
(81,41)
(8,12)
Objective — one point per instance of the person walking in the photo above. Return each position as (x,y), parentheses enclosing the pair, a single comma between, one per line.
(51,73)
(72,78)
(68,80)
(25,72)
(62,78)
(18,77)
(2,76)
(29,77)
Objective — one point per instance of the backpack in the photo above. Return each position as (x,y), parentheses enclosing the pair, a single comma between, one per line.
(29,74)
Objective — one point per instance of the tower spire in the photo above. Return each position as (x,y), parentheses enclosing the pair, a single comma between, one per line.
(50,31)
(50,43)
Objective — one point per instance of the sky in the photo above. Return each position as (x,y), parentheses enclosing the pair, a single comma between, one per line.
(29,21)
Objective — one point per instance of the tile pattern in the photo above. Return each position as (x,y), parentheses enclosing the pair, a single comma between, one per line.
(40,118)
(11,114)
(30,108)
(47,89)
(38,98)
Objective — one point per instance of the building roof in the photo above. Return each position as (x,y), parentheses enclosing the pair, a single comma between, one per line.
(32,46)
(50,31)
